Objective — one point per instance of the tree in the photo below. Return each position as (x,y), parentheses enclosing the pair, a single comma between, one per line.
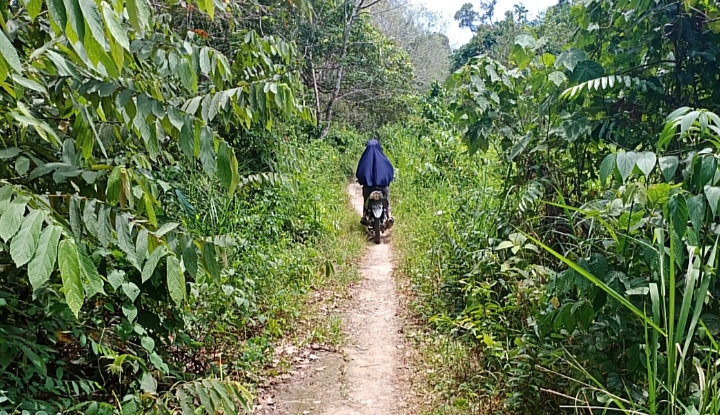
(418,31)
(467,17)
(100,101)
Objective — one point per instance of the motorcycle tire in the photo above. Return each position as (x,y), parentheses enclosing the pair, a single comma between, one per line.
(376,228)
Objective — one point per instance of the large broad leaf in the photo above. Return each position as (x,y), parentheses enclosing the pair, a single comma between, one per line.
(152,261)
(585,71)
(189,256)
(713,197)
(25,242)
(570,58)
(43,262)
(607,166)
(94,21)
(626,163)
(646,162)
(557,78)
(5,197)
(224,169)
(696,211)
(114,186)
(70,271)
(56,8)
(668,165)
(116,29)
(36,360)
(8,52)
(209,256)
(708,170)
(679,212)
(92,278)
(12,218)
(187,138)
(207,151)
(575,127)
(175,280)
(76,22)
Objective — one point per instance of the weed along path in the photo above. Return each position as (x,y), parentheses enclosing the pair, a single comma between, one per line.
(369,376)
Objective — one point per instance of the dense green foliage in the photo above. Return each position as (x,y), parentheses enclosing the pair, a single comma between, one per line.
(160,200)
(574,255)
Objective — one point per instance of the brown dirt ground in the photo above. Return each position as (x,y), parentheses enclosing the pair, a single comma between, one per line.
(370,375)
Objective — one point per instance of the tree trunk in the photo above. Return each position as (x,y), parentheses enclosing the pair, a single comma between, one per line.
(341,67)
(315,88)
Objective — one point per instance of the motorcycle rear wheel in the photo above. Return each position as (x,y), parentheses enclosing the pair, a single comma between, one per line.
(376,228)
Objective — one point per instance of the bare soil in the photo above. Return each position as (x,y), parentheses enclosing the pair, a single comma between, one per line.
(369,376)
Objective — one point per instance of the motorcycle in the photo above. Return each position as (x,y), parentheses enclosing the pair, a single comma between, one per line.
(376,214)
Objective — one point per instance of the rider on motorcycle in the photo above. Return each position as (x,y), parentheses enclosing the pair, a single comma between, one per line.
(375,171)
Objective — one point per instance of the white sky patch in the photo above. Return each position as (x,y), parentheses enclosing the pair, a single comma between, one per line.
(459,37)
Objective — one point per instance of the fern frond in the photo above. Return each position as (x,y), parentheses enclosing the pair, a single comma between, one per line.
(214,397)
(605,83)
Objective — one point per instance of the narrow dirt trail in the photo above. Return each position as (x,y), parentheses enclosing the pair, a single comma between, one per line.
(370,377)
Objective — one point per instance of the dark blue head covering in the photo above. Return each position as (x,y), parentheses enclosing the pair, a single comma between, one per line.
(374,169)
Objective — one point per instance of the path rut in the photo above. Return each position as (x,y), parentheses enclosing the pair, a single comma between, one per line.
(370,376)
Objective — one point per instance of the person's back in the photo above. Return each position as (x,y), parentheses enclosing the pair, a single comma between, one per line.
(375,171)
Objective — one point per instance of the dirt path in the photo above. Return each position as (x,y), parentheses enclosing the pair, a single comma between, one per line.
(370,376)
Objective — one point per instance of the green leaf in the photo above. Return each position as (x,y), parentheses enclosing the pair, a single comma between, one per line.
(152,261)
(607,166)
(7,51)
(570,58)
(25,243)
(22,165)
(11,219)
(186,75)
(70,272)
(148,343)
(114,186)
(625,163)
(116,29)
(211,264)
(56,8)
(646,162)
(122,229)
(141,246)
(557,77)
(129,311)
(708,169)
(585,71)
(116,278)
(696,211)
(131,290)
(6,193)
(189,255)
(224,169)
(36,360)
(76,22)
(148,384)
(679,212)
(207,151)
(95,284)
(187,138)
(90,217)
(210,8)
(43,263)
(94,21)
(668,165)
(713,197)
(75,217)
(175,280)
(165,228)
(34,7)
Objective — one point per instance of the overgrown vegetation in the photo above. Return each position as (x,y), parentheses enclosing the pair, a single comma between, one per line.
(572,252)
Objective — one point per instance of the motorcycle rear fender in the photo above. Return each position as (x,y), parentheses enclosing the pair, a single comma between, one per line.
(377,209)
